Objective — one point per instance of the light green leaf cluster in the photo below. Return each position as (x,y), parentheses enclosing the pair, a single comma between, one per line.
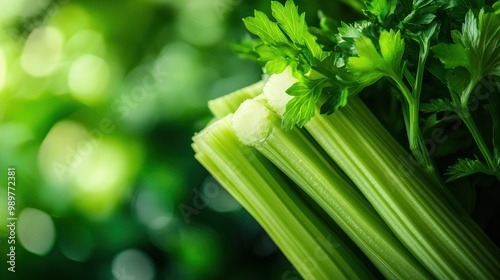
(381,8)
(477,47)
(268,31)
(302,107)
(372,64)
(285,42)
(295,27)
(288,43)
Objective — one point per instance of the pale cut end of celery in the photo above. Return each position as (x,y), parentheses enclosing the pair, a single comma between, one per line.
(251,122)
(228,103)
(275,90)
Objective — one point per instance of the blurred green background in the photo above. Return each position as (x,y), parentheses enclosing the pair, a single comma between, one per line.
(98,103)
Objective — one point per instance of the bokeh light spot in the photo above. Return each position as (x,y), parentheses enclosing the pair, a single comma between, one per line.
(133,264)
(11,9)
(200,23)
(42,51)
(149,207)
(102,169)
(217,198)
(89,165)
(58,158)
(103,177)
(86,40)
(88,77)
(36,231)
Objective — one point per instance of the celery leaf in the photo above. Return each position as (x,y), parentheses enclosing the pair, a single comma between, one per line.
(336,99)
(290,21)
(477,47)
(348,32)
(302,106)
(381,8)
(268,31)
(419,13)
(466,167)
(294,25)
(496,7)
(452,55)
(370,64)
(437,105)
(289,43)
(276,65)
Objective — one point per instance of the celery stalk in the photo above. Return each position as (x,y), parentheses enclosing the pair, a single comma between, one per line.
(305,240)
(228,103)
(443,238)
(299,158)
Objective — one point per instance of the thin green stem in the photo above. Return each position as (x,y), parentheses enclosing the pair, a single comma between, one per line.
(415,137)
(417,86)
(483,147)
(414,112)
(409,76)
(464,99)
(466,116)
(403,88)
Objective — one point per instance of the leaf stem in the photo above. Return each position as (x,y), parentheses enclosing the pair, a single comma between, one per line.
(483,147)
(422,58)
(415,137)
(466,116)
(464,99)
(409,76)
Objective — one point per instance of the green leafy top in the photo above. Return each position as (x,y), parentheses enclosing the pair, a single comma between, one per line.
(473,55)
(285,42)
(302,107)
(288,42)
(295,27)
(268,31)
(338,60)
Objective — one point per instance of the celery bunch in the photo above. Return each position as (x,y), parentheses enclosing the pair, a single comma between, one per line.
(315,248)
(309,123)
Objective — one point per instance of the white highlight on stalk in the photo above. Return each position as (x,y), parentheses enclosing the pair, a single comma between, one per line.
(275,90)
(251,122)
